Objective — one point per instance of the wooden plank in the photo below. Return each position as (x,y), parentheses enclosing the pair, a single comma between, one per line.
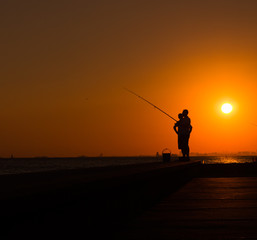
(206,204)
(205,208)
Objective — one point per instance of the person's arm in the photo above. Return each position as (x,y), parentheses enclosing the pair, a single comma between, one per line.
(175,128)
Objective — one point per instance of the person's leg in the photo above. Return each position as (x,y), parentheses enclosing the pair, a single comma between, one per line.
(187,153)
(187,148)
(183,150)
(180,142)
(184,146)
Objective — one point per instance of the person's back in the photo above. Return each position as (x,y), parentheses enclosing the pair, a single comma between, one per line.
(178,129)
(186,127)
(178,124)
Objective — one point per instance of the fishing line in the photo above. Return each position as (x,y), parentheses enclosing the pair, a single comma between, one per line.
(151,104)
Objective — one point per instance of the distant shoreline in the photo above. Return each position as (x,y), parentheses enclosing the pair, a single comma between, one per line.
(136,156)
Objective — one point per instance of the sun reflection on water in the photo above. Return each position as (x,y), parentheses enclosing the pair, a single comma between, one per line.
(228,159)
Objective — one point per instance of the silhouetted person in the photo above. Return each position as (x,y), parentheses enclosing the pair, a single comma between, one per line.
(177,129)
(184,130)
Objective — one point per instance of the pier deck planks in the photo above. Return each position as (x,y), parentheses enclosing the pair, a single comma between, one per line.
(205,208)
(79,202)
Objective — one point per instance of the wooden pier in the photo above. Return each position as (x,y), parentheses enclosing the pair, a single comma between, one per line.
(177,200)
(205,208)
(92,203)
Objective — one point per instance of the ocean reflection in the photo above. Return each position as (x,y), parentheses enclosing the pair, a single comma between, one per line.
(228,159)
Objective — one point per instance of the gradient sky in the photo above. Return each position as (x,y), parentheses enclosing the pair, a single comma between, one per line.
(64,65)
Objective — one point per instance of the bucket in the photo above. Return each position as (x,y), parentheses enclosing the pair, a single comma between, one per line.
(166,155)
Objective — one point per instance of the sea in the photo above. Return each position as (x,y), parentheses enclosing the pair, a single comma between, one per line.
(41,164)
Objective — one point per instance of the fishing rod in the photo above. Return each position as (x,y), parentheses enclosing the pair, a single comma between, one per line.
(150,104)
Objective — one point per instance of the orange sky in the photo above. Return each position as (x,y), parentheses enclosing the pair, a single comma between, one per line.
(64,65)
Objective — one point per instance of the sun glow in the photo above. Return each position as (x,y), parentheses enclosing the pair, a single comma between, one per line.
(226,108)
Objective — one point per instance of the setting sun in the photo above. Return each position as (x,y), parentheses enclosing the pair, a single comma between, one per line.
(226,108)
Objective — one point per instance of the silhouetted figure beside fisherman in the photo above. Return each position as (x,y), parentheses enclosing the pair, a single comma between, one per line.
(183,128)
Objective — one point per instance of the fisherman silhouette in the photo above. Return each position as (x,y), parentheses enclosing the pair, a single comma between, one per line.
(183,131)
(178,131)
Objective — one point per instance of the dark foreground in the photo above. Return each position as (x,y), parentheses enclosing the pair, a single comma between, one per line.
(179,200)
(205,208)
(84,203)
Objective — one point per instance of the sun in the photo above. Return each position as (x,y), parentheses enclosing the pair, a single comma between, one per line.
(226,108)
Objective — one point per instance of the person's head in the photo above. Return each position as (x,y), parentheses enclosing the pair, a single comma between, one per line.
(180,115)
(185,112)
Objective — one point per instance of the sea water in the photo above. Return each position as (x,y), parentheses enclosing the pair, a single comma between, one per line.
(26,165)
(226,159)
